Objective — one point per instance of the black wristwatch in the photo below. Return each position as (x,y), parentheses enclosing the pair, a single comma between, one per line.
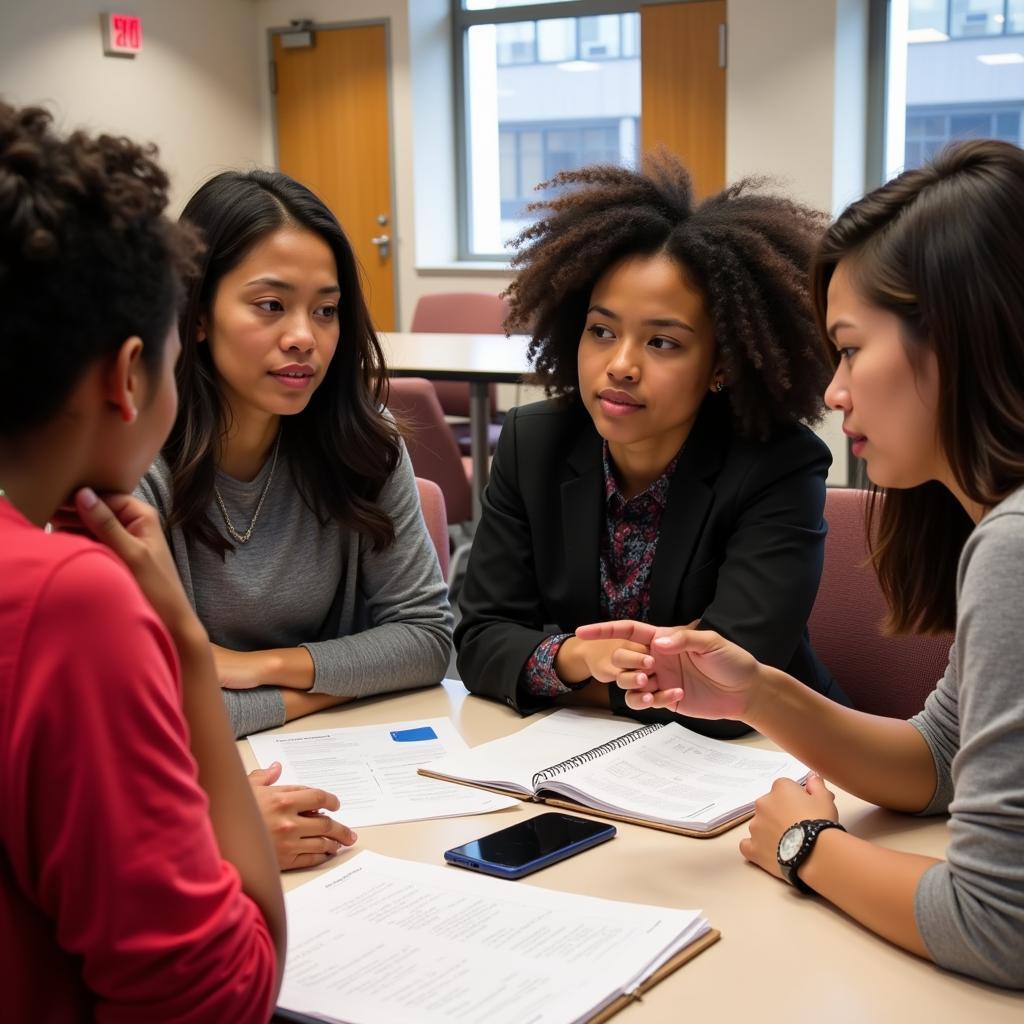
(795,847)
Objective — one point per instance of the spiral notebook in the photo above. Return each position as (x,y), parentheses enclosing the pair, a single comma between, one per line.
(661,775)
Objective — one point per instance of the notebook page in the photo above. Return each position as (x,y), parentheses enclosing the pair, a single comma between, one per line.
(511,762)
(677,777)
(384,941)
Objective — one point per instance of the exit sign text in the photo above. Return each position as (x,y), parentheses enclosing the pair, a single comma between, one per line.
(122,34)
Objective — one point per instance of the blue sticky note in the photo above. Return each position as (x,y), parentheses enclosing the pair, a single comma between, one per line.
(424,732)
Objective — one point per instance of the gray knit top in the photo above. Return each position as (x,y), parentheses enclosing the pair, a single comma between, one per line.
(970,908)
(372,622)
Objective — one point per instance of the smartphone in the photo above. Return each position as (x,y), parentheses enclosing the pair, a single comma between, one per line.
(530,845)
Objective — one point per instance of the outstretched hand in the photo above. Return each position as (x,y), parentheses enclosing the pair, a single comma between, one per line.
(689,671)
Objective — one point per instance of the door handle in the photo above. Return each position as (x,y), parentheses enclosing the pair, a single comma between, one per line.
(383,243)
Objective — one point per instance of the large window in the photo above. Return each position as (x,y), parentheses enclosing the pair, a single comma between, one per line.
(955,71)
(541,92)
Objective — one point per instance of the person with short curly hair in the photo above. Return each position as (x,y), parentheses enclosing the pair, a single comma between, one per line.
(671,477)
(136,879)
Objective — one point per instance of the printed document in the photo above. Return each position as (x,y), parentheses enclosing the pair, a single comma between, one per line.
(385,941)
(372,770)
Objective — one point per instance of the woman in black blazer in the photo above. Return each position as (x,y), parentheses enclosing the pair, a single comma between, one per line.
(671,480)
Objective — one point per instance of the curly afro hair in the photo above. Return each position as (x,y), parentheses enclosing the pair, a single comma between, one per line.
(748,252)
(87,259)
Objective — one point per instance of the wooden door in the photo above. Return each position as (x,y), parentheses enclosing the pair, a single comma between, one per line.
(333,135)
(682,68)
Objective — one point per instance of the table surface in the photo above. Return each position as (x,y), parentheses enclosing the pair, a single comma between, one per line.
(782,958)
(483,357)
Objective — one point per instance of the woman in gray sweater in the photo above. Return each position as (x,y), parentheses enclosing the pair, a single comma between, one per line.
(917,286)
(286,491)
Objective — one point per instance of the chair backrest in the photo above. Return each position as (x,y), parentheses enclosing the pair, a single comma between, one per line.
(432,448)
(460,313)
(436,517)
(884,675)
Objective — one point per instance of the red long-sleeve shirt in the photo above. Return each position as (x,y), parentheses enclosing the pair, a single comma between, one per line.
(115,903)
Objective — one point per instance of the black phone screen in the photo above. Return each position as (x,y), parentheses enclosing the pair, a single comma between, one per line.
(533,839)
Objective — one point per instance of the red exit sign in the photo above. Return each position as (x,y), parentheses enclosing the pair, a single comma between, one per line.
(122,34)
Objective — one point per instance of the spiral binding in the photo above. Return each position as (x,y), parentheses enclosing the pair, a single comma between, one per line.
(605,748)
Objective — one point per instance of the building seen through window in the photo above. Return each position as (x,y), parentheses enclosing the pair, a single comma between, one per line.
(956,71)
(541,96)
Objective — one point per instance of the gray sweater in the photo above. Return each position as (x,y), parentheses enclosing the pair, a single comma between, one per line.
(372,622)
(970,908)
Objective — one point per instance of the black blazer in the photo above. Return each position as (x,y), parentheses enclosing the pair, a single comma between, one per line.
(740,548)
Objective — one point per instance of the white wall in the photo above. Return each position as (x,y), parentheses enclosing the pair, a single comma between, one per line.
(193,89)
(796,98)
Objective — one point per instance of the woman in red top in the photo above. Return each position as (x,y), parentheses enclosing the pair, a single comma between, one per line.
(136,880)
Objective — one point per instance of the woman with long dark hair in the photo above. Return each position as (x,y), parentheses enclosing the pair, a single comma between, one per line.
(917,288)
(289,499)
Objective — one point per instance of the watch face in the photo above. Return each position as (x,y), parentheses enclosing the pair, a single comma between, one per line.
(790,843)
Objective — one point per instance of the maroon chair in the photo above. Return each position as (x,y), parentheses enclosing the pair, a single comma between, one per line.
(435,516)
(462,313)
(884,675)
(432,449)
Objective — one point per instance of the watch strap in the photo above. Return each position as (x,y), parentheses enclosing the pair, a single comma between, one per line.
(812,828)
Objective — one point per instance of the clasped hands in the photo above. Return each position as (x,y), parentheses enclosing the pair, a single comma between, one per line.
(686,670)
(701,674)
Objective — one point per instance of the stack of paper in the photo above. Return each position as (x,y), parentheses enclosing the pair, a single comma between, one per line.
(383,941)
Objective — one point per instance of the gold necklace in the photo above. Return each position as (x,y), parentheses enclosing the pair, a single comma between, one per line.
(243,538)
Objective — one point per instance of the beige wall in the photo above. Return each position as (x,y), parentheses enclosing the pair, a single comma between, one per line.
(780,95)
(422,131)
(796,103)
(193,90)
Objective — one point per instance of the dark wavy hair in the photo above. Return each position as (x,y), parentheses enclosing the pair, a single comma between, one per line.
(942,247)
(87,260)
(746,250)
(341,448)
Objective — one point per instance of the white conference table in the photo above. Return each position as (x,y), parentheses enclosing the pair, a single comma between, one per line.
(481,359)
(782,959)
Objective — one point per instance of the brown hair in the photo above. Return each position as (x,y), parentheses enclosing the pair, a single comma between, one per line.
(747,251)
(942,247)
